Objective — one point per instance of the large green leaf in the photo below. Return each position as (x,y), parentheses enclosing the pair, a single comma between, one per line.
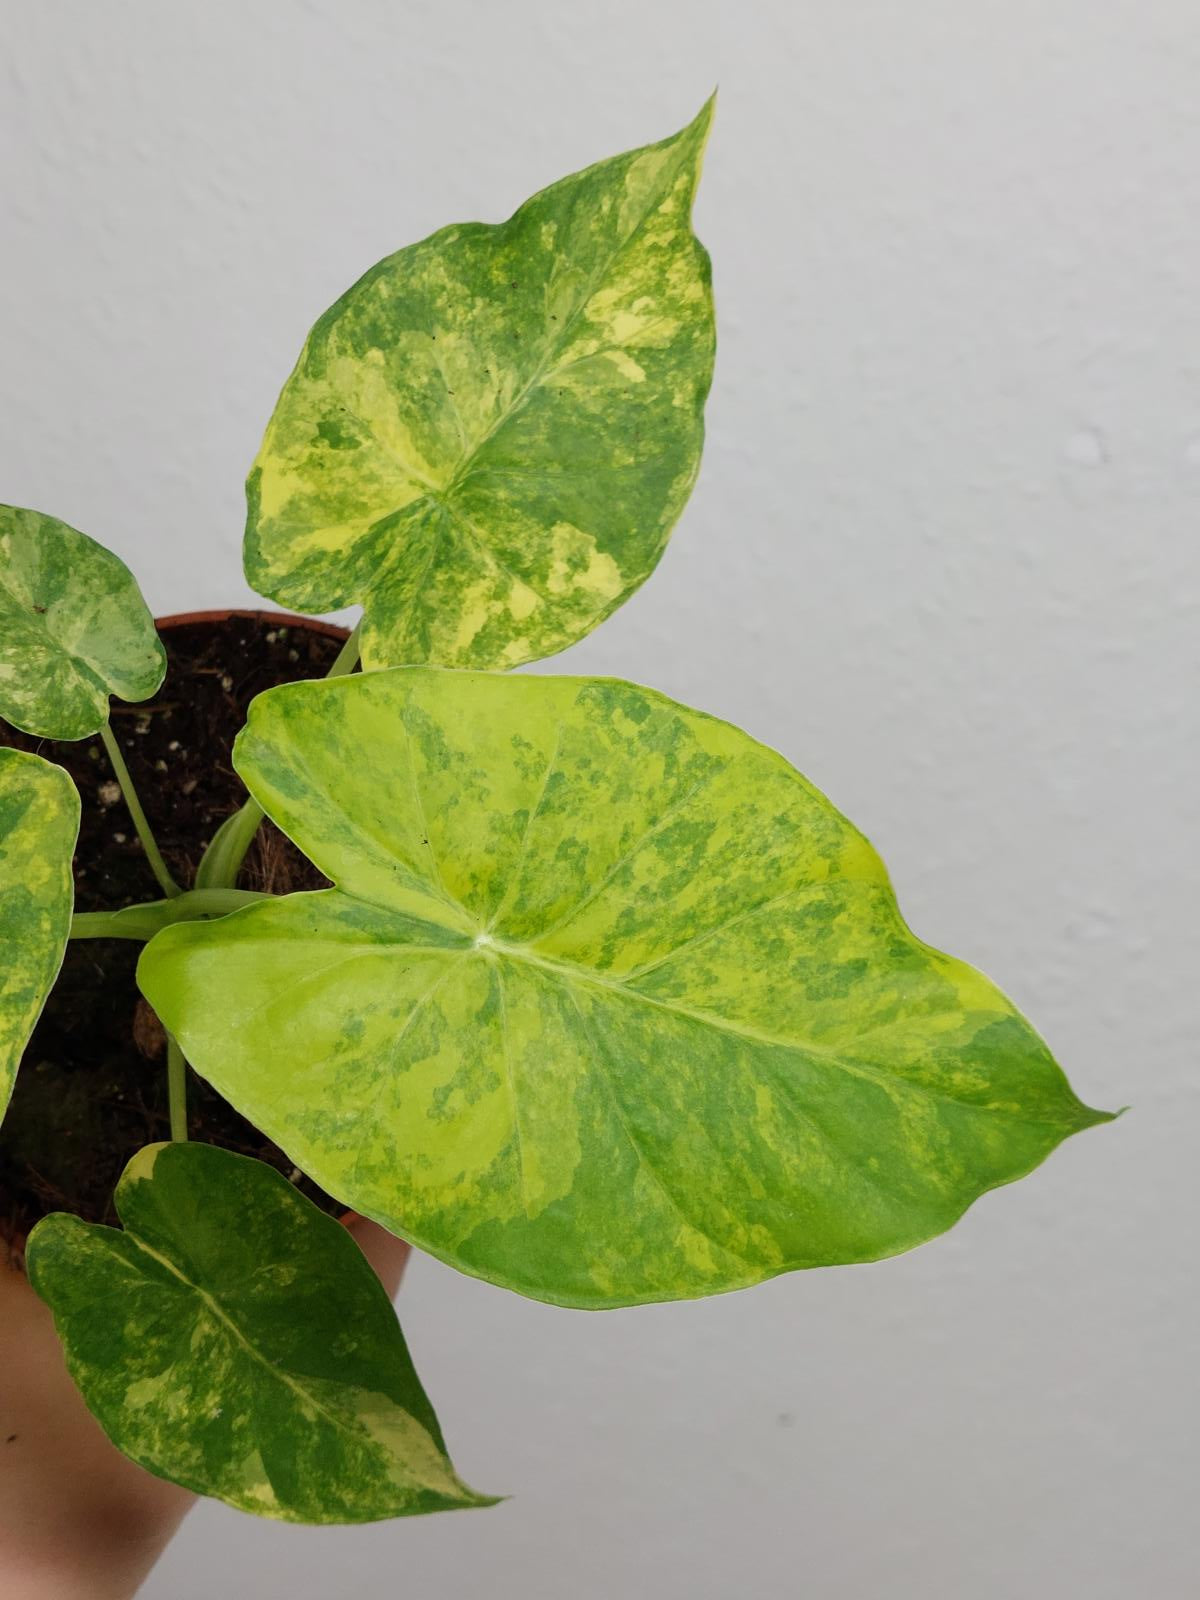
(73,629)
(234,1339)
(487,440)
(610,1004)
(39,822)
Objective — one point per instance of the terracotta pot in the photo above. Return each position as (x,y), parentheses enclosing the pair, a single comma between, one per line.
(181,619)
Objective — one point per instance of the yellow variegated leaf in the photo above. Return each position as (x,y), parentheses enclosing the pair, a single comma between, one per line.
(488,439)
(233,1339)
(609,1004)
(39,821)
(74,629)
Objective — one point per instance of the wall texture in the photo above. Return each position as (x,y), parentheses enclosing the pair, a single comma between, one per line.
(943,554)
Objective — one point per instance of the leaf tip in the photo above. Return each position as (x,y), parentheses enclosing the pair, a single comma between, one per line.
(701,124)
(474,1501)
(1097,1118)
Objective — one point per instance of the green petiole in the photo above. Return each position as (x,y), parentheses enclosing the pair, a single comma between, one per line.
(149,844)
(142,922)
(177,1088)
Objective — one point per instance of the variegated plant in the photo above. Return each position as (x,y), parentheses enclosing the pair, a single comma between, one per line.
(607,1004)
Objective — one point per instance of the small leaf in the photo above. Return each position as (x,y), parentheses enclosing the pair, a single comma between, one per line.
(487,440)
(234,1340)
(609,1005)
(74,629)
(39,822)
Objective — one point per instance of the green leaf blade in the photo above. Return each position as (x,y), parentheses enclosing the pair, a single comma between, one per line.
(249,1352)
(39,823)
(74,629)
(609,1005)
(488,439)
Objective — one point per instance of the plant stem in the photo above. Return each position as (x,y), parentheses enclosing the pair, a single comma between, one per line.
(347,657)
(177,1088)
(222,861)
(153,855)
(144,921)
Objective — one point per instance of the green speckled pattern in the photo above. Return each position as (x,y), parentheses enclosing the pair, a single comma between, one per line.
(73,629)
(487,440)
(39,823)
(610,1004)
(234,1339)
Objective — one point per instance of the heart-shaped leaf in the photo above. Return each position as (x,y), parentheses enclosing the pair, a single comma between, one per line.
(610,1004)
(234,1339)
(487,440)
(39,822)
(74,629)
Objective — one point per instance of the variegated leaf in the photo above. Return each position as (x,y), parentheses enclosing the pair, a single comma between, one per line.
(488,439)
(233,1339)
(39,822)
(74,629)
(609,1004)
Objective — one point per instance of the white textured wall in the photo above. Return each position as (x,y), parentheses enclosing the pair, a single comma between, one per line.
(943,554)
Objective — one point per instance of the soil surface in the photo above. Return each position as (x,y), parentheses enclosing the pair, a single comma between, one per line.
(91,1089)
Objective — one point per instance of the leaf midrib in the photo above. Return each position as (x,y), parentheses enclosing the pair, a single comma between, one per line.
(569,973)
(559,336)
(576,974)
(443,495)
(222,1317)
(572,973)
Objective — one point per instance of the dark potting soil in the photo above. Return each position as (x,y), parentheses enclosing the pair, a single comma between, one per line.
(91,1089)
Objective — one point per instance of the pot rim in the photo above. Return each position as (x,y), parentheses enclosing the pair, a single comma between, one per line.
(292,619)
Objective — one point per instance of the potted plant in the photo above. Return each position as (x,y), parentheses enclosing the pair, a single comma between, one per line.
(583,991)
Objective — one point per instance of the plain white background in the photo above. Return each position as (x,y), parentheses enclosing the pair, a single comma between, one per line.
(943,554)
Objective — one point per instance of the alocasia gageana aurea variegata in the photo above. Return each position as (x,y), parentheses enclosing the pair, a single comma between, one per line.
(607,1003)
